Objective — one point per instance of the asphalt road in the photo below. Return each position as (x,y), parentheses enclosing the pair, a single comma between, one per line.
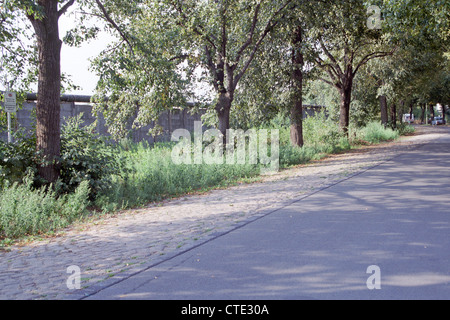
(383,234)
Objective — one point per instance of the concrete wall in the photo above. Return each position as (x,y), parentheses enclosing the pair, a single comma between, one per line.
(169,121)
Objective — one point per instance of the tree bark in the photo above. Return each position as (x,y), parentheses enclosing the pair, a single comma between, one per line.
(422,116)
(223,108)
(344,110)
(432,113)
(444,113)
(402,111)
(384,112)
(296,129)
(393,116)
(411,107)
(49,90)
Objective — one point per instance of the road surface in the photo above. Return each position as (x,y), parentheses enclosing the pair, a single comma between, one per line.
(382,234)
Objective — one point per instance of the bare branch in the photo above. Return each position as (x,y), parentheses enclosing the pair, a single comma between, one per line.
(269,26)
(327,81)
(212,67)
(250,35)
(180,57)
(373,55)
(111,21)
(65,7)
(336,67)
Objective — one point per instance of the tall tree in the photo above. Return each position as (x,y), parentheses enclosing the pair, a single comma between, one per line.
(296,112)
(44,16)
(44,56)
(276,81)
(219,37)
(421,66)
(342,44)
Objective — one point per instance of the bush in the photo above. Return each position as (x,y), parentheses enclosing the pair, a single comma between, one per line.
(321,131)
(320,134)
(28,211)
(375,132)
(405,129)
(17,159)
(85,156)
(150,175)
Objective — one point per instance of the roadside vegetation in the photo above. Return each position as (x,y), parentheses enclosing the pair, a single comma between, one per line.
(247,64)
(102,177)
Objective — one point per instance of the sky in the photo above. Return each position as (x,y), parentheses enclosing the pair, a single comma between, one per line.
(75,60)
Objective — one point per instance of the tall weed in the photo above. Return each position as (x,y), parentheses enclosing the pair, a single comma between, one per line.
(150,175)
(28,211)
(375,132)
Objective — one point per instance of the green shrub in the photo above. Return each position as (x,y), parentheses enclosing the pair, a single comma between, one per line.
(150,175)
(17,159)
(28,211)
(375,132)
(320,134)
(405,129)
(320,131)
(85,156)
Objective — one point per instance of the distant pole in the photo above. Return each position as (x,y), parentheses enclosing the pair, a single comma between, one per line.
(9,128)
(9,118)
(7,113)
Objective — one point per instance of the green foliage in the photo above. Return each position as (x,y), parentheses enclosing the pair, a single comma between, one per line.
(18,158)
(150,175)
(321,131)
(404,129)
(85,156)
(28,211)
(375,132)
(417,20)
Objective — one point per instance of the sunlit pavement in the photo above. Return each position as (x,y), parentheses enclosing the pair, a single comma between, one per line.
(382,234)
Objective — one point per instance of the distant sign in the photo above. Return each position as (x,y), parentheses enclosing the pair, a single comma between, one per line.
(10,102)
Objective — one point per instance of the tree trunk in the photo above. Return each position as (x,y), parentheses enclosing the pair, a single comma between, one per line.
(393,116)
(296,134)
(402,111)
(384,113)
(223,108)
(49,90)
(411,107)
(432,114)
(443,113)
(344,115)
(422,116)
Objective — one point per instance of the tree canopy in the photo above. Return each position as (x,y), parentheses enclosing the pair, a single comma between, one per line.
(244,60)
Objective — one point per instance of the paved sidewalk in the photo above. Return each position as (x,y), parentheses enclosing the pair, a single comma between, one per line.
(114,248)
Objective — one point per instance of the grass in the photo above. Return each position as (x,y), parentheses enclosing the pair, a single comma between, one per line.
(374,132)
(27,211)
(147,174)
(150,175)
